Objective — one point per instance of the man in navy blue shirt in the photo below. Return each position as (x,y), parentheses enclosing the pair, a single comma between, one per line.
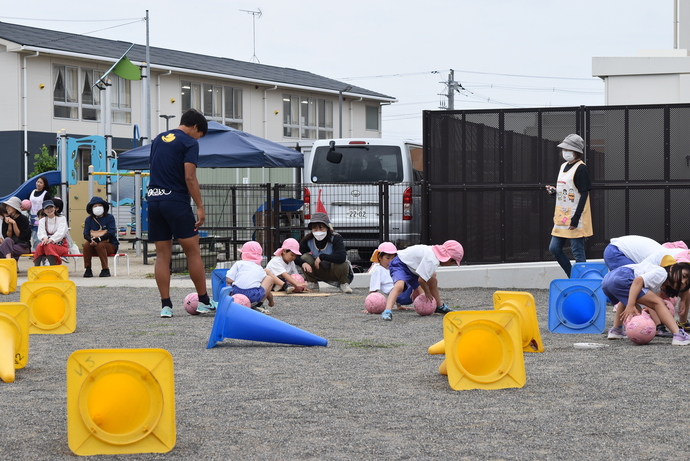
(173,182)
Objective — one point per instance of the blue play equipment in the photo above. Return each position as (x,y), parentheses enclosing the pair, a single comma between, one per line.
(577,306)
(25,189)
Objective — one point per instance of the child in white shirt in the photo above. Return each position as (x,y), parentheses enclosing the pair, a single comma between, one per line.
(282,267)
(415,266)
(247,277)
(380,279)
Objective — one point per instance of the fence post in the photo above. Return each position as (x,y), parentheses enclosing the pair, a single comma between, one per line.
(275,241)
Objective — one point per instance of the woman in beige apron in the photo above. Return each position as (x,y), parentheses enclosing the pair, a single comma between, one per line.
(572,219)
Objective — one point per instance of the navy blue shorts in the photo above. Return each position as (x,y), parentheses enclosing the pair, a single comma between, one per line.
(614,257)
(616,285)
(400,271)
(170,218)
(255,295)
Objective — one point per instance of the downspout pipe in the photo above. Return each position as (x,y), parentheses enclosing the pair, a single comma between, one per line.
(25,123)
(158,109)
(275,87)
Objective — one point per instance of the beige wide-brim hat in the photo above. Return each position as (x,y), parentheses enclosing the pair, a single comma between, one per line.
(14,202)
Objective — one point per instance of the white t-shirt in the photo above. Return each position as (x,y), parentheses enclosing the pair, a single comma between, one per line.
(246,274)
(636,247)
(57,226)
(654,276)
(278,266)
(380,279)
(421,260)
(655,258)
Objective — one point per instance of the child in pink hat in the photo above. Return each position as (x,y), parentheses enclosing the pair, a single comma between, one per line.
(415,266)
(380,277)
(281,268)
(247,277)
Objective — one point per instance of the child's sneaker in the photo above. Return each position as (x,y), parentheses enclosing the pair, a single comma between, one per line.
(166,312)
(662,331)
(443,309)
(685,326)
(387,315)
(681,338)
(202,308)
(616,333)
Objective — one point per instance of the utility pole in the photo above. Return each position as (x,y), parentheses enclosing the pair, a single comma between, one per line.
(452,87)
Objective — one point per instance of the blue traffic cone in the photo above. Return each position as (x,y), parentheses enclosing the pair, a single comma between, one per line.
(218,282)
(233,320)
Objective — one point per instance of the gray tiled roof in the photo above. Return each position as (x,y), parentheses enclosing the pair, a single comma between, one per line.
(100,47)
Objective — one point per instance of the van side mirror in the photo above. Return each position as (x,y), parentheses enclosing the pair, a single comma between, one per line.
(332,156)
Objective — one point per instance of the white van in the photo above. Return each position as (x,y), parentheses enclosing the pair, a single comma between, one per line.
(344,174)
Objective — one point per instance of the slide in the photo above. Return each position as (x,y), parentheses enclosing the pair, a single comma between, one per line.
(25,189)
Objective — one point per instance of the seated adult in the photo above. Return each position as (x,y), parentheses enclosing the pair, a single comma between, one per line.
(52,236)
(324,258)
(16,230)
(100,233)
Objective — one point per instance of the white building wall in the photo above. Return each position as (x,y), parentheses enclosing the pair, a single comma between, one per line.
(10,77)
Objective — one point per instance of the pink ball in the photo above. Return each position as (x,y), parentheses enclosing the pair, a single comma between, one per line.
(26,205)
(298,278)
(640,329)
(241,299)
(424,306)
(375,303)
(191,301)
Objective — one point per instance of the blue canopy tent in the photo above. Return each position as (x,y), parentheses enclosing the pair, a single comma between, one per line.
(225,147)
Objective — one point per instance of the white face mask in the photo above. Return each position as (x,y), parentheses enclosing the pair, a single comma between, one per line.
(319,235)
(97,210)
(568,156)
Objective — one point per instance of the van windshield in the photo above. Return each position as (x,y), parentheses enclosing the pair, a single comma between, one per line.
(360,163)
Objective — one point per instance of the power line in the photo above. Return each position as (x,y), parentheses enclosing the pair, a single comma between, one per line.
(409,74)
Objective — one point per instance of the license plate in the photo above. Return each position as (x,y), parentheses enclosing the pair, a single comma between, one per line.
(357,212)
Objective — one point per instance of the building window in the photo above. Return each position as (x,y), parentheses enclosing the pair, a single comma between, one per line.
(307,118)
(90,95)
(121,99)
(372,118)
(222,104)
(65,93)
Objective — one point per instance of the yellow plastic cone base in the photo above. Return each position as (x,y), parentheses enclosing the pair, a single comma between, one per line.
(52,306)
(523,304)
(483,350)
(438,348)
(120,401)
(14,339)
(8,275)
(47,273)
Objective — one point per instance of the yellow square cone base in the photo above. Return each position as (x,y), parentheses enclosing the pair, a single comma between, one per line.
(47,273)
(14,339)
(52,306)
(8,275)
(120,401)
(483,350)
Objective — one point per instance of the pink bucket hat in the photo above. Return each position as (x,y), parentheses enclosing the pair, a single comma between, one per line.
(679,244)
(449,249)
(385,247)
(289,244)
(251,251)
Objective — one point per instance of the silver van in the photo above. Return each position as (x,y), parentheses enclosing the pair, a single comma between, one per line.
(343,175)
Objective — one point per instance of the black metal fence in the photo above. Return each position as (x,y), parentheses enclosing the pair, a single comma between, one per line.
(485,173)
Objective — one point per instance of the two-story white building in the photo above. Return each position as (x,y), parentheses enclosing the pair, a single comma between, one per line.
(47,78)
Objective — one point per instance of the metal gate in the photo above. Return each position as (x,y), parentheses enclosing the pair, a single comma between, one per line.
(485,173)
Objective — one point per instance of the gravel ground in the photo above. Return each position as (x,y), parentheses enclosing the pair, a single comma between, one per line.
(373,393)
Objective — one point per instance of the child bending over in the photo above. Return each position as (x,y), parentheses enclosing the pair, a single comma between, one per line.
(282,267)
(247,277)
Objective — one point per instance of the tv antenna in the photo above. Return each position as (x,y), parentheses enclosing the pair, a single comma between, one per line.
(254,14)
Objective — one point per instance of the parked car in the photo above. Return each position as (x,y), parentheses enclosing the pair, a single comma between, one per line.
(343,176)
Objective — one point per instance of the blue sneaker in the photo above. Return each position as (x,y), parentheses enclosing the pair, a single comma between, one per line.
(166,312)
(443,309)
(206,308)
(387,315)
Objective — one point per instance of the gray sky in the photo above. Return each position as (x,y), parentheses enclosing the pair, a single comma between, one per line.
(497,48)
